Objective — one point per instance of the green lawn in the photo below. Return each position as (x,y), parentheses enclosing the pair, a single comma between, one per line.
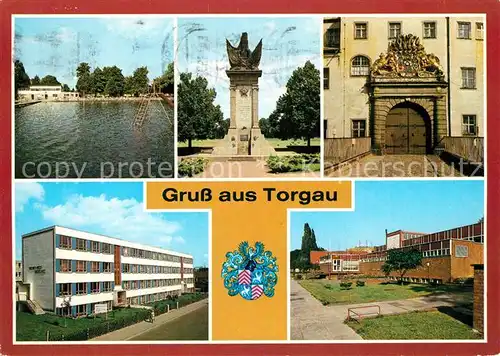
(329,292)
(30,327)
(275,142)
(413,326)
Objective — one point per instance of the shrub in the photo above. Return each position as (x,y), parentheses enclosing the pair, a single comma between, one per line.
(360,283)
(293,163)
(345,285)
(190,167)
(298,276)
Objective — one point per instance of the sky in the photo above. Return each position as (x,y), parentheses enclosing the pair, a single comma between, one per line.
(56,45)
(287,44)
(418,206)
(111,209)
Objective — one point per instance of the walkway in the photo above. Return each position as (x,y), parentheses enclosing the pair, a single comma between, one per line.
(397,166)
(144,326)
(247,169)
(392,307)
(310,320)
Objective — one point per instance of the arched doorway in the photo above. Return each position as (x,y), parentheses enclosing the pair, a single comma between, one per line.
(408,130)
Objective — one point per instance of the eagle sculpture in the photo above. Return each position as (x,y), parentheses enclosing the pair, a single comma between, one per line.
(241,58)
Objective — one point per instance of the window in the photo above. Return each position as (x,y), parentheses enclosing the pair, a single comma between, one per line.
(95,246)
(125,251)
(95,266)
(479,31)
(126,268)
(106,248)
(64,242)
(81,266)
(464,30)
(360,31)
(81,288)
(106,266)
(358,128)
(469,125)
(468,78)
(394,29)
(326,78)
(64,265)
(81,309)
(81,245)
(461,251)
(360,65)
(66,311)
(64,289)
(332,39)
(106,286)
(95,287)
(429,30)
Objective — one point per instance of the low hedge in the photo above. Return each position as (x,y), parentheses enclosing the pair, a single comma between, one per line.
(293,163)
(189,167)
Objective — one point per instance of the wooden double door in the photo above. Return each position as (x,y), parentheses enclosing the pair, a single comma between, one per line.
(407,132)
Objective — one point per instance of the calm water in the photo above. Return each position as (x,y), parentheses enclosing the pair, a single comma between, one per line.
(93,140)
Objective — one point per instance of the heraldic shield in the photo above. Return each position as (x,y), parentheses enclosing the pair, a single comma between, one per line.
(250,272)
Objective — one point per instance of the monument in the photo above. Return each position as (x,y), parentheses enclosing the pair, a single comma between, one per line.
(244,136)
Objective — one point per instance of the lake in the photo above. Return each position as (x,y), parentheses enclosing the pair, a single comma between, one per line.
(93,140)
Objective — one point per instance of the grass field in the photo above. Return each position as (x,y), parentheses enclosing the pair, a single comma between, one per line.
(30,327)
(329,292)
(275,142)
(413,326)
(192,326)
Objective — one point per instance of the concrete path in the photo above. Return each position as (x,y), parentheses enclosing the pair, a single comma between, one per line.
(396,166)
(247,169)
(310,320)
(144,326)
(392,307)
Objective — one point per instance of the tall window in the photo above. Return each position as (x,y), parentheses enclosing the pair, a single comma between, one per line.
(358,128)
(469,78)
(469,126)
(429,30)
(479,31)
(95,246)
(360,65)
(106,267)
(95,267)
(64,289)
(326,78)
(95,287)
(332,38)
(64,241)
(81,309)
(64,265)
(394,29)
(81,245)
(360,30)
(106,248)
(464,30)
(81,266)
(81,288)
(106,286)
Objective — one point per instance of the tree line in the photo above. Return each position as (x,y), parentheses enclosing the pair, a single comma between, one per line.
(297,113)
(108,81)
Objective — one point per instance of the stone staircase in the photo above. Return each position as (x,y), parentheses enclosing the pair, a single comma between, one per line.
(34,307)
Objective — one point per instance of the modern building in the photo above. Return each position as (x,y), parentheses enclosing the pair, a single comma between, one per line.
(69,271)
(201,279)
(404,82)
(46,92)
(19,271)
(446,255)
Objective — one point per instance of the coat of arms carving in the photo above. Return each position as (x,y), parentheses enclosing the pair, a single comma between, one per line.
(406,58)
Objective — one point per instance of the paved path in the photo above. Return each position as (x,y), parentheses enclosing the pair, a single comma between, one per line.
(247,169)
(310,320)
(144,326)
(392,307)
(396,166)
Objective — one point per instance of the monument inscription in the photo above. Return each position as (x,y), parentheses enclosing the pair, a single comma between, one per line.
(244,112)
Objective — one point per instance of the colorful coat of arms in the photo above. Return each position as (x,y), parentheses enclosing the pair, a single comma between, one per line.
(250,272)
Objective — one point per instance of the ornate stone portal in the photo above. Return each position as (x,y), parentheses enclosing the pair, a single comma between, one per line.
(244,136)
(407,77)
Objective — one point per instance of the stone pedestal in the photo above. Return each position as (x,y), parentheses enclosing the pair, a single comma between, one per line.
(244,136)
